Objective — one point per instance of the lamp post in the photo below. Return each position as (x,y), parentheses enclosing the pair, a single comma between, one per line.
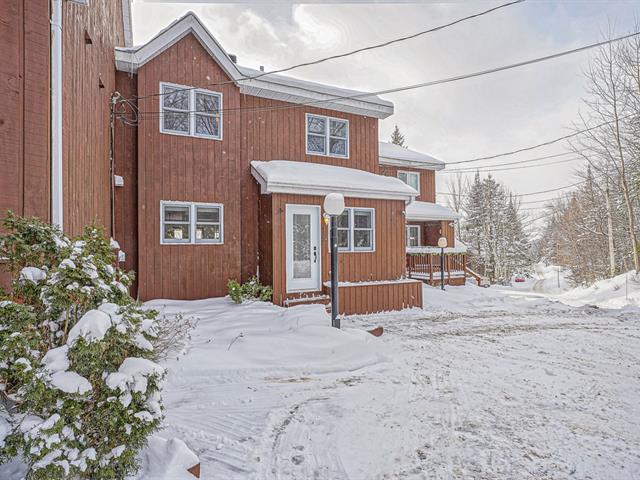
(442,243)
(334,206)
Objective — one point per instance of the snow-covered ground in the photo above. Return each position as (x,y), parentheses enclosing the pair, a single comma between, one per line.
(481,384)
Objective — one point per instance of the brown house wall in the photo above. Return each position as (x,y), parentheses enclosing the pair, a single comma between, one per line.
(126,165)
(271,132)
(180,168)
(387,262)
(24,108)
(86,114)
(427,180)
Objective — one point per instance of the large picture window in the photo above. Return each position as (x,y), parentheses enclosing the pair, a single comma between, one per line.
(184,222)
(410,178)
(356,230)
(192,112)
(327,136)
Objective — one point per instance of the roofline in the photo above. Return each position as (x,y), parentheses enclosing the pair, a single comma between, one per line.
(290,188)
(278,87)
(407,163)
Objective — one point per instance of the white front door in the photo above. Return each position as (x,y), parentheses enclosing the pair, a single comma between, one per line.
(303,248)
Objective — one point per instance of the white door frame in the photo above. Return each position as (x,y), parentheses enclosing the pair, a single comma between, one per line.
(314,282)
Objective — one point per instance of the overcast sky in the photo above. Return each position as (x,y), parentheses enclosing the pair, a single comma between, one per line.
(457,121)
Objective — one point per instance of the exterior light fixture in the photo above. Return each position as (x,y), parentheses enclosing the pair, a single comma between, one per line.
(333,207)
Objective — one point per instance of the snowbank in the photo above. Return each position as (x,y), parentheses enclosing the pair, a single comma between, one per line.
(164,459)
(617,292)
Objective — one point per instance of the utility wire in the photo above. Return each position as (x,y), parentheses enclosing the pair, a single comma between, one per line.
(520,167)
(349,53)
(522,194)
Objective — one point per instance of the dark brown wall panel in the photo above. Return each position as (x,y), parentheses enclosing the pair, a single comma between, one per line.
(180,168)
(126,165)
(364,299)
(427,180)
(24,108)
(86,114)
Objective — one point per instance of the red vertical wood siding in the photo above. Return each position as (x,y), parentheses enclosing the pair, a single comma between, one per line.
(279,134)
(86,114)
(24,108)
(126,166)
(427,180)
(180,168)
(386,262)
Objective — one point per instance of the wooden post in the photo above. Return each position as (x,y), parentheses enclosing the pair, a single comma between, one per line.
(430,268)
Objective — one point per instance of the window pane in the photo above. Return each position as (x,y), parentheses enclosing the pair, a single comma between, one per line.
(208,232)
(176,231)
(412,236)
(301,246)
(176,214)
(343,239)
(343,219)
(362,219)
(413,181)
(315,144)
(207,103)
(338,147)
(338,128)
(402,176)
(179,99)
(177,122)
(362,238)
(316,125)
(207,214)
(206,125)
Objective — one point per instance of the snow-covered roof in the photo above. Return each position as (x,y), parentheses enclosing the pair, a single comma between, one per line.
(424,211)
(279,87)
(305,178)
(459,248)
(392,154)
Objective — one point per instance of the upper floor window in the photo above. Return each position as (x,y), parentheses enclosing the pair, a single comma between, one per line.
(410,178)
(184,222)
(327,136)
(356,230)
(193,112)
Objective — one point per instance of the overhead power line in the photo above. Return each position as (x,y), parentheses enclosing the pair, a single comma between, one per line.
(520,167)
(522,194)
(351,52)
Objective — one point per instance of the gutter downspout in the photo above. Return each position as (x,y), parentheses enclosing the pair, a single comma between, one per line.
(56,114)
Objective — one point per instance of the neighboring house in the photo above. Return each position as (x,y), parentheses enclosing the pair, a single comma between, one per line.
(216,176)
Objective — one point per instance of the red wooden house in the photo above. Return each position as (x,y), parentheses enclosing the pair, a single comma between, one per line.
(216,172)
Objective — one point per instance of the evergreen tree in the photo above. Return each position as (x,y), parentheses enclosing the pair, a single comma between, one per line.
(397,137)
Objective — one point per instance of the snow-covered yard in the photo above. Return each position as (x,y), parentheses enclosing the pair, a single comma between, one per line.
(482,383)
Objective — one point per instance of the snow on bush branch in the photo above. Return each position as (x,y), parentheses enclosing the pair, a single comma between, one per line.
(79,392)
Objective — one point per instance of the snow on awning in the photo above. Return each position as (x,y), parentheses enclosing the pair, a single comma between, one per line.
(424,211)
(391,154)
(305,178)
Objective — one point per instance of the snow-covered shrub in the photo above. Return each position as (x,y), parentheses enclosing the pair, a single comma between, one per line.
(251,290)
(79,390)
(169,334)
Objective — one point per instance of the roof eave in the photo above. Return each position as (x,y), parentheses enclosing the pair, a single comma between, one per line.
(407,163)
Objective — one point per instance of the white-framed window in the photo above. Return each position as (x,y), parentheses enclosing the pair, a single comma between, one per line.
(356,230)
(327,136)
(413,235)
(191,222)
(410,178)
(191,112)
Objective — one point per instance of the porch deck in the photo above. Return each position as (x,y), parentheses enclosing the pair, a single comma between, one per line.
(427,267)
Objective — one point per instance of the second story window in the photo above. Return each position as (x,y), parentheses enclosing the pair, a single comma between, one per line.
(410,178)
(327,136)
(192,112)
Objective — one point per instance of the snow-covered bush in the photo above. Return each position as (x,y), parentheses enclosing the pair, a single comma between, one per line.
(251,290)
(79,390)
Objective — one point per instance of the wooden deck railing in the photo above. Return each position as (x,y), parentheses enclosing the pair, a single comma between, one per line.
(426,266)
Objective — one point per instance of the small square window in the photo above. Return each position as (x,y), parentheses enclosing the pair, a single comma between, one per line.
(188,111)
(355,230)
(327,136)
(410,178)
(191,223)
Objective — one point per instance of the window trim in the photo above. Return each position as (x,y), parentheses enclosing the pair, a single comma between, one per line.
(193,221)
(407,227)
(327,136)
(191,112)
(407,172)
(352,248)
